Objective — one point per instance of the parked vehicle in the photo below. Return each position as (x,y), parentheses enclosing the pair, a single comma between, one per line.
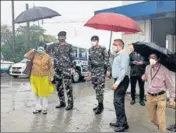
(5,65)
(17,69)
(81,60)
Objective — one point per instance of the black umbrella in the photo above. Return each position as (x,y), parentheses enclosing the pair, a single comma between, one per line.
(36,13)
(166,57)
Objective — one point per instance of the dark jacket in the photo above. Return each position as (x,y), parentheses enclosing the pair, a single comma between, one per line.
(137,70)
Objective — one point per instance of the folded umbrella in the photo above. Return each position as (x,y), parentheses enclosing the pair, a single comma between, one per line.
(166,57)
(36,13)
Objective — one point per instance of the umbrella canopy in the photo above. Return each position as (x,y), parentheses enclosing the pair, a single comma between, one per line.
(166,57)
(113,22)
(36,13)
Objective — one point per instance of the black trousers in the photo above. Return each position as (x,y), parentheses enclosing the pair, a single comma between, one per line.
(134,80)
(119,102)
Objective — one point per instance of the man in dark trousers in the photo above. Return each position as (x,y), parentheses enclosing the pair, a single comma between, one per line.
(63,62)
(121,81)
(138,65)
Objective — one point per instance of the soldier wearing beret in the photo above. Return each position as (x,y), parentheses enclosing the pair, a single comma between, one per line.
(63,62)
(98,61)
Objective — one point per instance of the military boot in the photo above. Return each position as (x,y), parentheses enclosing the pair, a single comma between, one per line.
(62,104)
(100,108)
(69,106)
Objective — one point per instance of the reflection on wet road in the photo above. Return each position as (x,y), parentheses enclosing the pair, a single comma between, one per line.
(17,103)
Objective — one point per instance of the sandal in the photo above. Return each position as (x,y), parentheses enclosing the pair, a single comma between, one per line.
(37,111)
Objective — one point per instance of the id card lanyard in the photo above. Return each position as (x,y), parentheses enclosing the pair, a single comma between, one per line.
(152,77)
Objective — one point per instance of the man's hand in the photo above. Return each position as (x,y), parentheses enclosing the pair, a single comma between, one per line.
(88,74)
(135,62)
(144,77)
(108,74)
(114,87)
(88,77)
(172,104)
(140,62)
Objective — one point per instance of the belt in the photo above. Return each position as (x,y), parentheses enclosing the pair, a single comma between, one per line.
(157,94)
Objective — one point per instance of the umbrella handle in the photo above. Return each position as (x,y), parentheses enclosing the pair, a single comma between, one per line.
(110,44)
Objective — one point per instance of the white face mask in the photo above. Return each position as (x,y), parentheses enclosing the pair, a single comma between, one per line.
(93,43)
(153,62)
(114,49)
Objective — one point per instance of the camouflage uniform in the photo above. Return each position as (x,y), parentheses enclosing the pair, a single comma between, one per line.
(98,60)
(63,62)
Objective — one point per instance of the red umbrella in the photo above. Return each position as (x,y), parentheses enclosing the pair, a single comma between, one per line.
(113,22)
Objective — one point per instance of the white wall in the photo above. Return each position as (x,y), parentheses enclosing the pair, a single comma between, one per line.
(145,25)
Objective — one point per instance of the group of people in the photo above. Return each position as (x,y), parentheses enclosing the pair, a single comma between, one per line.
(44,73)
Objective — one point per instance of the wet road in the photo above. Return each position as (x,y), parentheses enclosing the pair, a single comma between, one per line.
(17,103)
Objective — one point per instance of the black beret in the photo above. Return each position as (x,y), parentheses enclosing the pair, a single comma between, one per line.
(62,33)
(94,38)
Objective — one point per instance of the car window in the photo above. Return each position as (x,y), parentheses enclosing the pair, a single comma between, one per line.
(82,53)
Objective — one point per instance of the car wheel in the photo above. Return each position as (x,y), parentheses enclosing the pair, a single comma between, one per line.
(15,76)
(76,76)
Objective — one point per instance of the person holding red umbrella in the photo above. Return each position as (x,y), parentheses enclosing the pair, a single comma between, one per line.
(98,61)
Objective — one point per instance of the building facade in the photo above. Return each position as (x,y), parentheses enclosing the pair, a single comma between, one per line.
(156,19)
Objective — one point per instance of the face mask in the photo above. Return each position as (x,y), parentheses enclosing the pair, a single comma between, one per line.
(114,49)
(152,62)
(62,39)
(93,43)
(41,50)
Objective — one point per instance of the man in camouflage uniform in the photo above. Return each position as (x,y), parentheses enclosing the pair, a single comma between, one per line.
(63,62)
(98,61)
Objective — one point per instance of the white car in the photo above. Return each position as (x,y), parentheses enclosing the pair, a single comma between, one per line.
(17,69)
(5,65)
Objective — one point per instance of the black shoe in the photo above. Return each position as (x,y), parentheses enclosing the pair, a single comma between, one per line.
(100,109)
(95,108)
(171,127)
(132,102)
(69,107)
(62,105)
(44,112)
(37,111)
(142,103)
(113,124)
(122,129)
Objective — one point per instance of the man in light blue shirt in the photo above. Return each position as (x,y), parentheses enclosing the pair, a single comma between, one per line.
(121,81)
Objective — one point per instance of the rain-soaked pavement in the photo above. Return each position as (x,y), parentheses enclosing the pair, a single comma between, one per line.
(17,103)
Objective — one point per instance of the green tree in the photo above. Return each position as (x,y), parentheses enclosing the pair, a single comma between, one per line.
(21,44)
(49,38)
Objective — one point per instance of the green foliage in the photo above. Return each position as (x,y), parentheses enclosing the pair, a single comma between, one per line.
(49,38)
(22,45)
